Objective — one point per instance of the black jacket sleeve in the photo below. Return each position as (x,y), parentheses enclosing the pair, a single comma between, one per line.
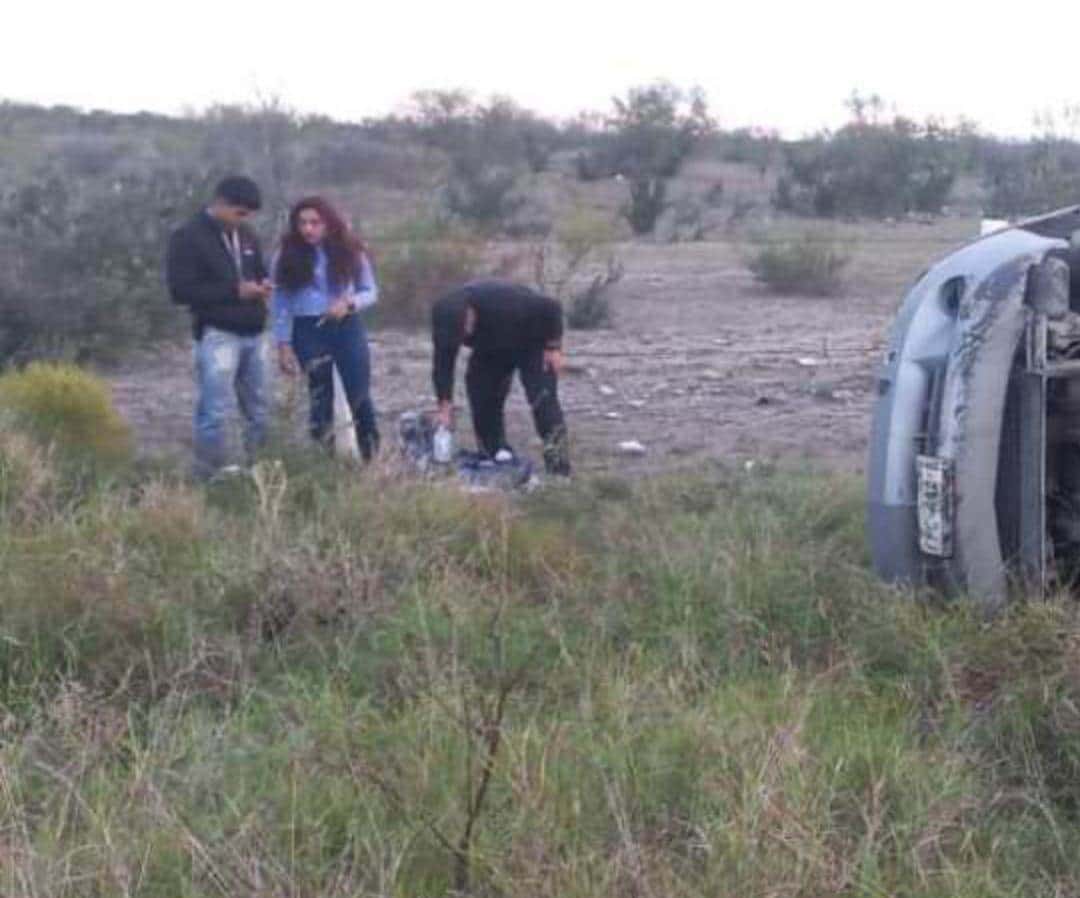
(442,370)
(446,336)
(553,324)
(187,284)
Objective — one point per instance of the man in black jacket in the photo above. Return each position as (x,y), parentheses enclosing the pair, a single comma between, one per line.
(509,328)
(215,267)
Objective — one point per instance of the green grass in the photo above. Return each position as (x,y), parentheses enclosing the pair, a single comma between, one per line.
(300,684)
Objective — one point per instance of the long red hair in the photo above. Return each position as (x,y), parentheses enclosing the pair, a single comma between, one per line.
(296,259)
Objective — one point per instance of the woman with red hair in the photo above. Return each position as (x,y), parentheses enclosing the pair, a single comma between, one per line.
(323,277)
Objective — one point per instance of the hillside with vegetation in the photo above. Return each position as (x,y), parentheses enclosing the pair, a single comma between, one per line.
(676,676)
(310,683)
(455,185)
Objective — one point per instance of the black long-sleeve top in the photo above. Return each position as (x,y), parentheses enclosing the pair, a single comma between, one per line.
(509,318)
(202,275)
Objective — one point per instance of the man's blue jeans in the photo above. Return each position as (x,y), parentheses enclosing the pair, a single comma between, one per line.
(226,363)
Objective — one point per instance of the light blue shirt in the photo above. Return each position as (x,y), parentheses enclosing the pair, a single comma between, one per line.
(316,297)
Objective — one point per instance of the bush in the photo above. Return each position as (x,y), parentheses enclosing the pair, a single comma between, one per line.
(352,157)
(70,408)
(262,140)
(481,193)
(870,168)
(590,309)
(1026,179)
(655,128)
(424,257)
(597,160)
(808,264)
(579,244)
(81,264)
(489,145)
(648,198)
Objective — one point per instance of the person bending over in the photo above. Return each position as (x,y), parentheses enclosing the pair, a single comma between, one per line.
(322,278)
(509,327)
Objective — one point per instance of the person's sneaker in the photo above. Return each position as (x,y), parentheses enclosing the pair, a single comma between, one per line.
(228,472)
(504,456)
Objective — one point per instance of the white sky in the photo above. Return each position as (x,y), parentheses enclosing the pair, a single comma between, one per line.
(784,65)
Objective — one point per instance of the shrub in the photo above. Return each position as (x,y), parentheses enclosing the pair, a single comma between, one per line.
(263,140)
(489,145)
(590,309)
(808,264)
(81,264)
(648,198)
(1027,179)
(750,146)
(871,168)
(424,257)
(66,406)
(579,244)
(655,128)
(597,160)
(352,157)
(481,193)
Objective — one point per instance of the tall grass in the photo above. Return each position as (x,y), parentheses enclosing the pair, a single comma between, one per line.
(311,682)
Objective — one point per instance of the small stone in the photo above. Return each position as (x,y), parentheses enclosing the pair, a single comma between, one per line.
(808,362)
(606,390)
(631,447)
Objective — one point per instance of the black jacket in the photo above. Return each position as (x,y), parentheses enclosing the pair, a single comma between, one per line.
(510,319)
(201,275)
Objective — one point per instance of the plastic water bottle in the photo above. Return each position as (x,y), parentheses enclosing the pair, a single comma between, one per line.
(442,445)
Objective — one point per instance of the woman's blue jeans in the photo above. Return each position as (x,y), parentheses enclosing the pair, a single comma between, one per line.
(321,346)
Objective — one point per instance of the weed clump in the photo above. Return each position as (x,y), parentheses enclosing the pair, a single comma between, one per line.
(66,406)
(424,257)
(28,481)
(808,264)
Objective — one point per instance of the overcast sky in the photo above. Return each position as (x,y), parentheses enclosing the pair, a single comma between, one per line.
(784,65)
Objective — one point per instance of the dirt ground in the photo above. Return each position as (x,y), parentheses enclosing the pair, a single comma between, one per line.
(702,365)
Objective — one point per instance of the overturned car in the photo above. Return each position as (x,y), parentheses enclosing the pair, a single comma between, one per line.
(974,472)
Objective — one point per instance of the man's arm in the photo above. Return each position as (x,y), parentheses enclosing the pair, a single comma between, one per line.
(442,376)
(553,331)
(185,284)
(446,343)
(553,337)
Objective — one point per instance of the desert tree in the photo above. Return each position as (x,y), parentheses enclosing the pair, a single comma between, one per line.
(654,129)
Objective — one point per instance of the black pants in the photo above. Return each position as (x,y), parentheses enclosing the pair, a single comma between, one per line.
(488,380)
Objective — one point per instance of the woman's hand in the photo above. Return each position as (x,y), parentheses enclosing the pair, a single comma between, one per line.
(339,308)
(287,360)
